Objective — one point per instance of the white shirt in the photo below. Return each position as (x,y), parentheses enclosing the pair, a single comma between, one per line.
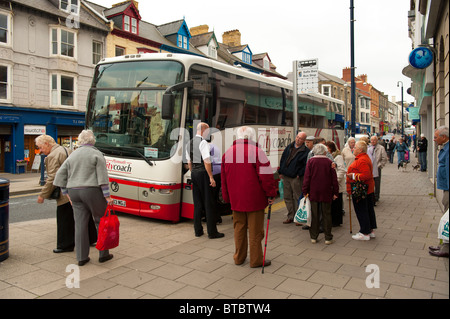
(204,150)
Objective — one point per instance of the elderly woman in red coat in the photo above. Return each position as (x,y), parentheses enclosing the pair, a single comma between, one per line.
(321,185)
(361,170)
(248,184)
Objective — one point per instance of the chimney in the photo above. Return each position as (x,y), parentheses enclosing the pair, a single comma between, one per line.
(363,78)
(232,38)
(201,29)
(120,3)
(347,74)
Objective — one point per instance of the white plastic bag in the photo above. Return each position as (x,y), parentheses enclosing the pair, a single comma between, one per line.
(303,214)
(443,227)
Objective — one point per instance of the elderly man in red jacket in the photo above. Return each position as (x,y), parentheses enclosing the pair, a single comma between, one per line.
(248,184)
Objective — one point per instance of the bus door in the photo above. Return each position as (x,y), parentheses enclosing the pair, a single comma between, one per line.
(200,108)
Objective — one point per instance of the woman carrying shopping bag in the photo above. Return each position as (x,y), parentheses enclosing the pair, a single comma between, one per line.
(84,178)
(321,185)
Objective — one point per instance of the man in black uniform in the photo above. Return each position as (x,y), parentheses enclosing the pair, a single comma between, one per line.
(199,160)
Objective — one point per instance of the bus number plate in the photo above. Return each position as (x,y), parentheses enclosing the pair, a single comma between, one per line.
(120,203)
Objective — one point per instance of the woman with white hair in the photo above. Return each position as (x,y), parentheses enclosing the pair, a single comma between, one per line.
(347,152)
(321,185)
(84,178)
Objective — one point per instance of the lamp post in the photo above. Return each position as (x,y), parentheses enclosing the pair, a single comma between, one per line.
(398,84)
(352,67)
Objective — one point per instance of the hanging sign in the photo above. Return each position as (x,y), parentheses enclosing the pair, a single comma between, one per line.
(421,58)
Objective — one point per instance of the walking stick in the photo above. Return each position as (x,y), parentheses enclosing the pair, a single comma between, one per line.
(267,234)
(350,211)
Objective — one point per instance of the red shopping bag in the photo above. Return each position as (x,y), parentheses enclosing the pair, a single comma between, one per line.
(108,231)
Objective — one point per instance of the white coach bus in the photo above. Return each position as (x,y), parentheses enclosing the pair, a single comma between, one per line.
(143,109)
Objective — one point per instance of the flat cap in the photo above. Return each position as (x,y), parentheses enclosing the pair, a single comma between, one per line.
(310,138)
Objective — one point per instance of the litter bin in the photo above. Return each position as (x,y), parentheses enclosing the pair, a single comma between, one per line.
(4,219)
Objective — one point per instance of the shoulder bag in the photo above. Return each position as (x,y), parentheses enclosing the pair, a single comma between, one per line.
(56,193)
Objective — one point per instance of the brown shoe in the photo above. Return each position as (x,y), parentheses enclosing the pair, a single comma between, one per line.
(438,253)
(434,248)
(288,221)
(266,263)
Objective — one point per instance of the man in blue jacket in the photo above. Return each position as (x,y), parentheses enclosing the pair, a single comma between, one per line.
(442,181)
(292,169)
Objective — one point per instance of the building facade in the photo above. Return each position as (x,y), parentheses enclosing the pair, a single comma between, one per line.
(428,22)
(44,77)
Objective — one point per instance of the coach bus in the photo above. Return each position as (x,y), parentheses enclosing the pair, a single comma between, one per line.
(144,108)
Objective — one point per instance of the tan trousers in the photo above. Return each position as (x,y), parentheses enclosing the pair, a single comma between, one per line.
(254,222)
(292,188)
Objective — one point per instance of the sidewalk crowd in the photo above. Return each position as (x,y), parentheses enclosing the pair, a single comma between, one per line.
(395,229)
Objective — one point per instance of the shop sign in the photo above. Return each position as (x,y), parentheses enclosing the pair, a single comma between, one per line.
(34,129)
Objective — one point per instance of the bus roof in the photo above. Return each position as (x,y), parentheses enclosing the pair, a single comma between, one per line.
(191,59)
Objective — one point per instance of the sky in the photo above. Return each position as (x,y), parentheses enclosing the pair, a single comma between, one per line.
(304,29)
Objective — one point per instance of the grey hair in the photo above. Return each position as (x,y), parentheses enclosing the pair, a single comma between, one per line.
(443,130)
(319,149)
(86,137)
(246,133)
(351,139)
(42,139)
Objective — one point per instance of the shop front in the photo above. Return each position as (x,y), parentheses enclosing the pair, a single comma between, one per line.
(19,128)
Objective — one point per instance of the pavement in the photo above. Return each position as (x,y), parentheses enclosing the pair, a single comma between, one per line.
(161,260)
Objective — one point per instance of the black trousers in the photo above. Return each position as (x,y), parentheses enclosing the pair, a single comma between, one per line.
(365,213)
(65,228)
(203,201)
(336,210)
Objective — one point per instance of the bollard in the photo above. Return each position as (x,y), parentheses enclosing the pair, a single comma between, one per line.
(4,219)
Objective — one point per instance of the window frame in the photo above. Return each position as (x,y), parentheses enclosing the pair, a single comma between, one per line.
(58,103)
(8,84)
(8,29)
(99,55)
(59,43)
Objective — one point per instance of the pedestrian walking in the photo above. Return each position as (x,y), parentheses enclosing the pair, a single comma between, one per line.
(200,165)
(337,206)
(378,155)
(292,169)
(422,148)
(391,150)
(361,170)
(248,184)
(83,177)
(401,149)
(321,185)
(441,138)
(65,224)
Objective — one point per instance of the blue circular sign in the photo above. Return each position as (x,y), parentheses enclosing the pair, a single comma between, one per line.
(421,58)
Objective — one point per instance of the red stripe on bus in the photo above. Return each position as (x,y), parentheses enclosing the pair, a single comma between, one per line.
(143,184)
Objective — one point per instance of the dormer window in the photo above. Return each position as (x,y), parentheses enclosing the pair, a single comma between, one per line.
(183,42)
(130,24)
(246,57)
(69,6)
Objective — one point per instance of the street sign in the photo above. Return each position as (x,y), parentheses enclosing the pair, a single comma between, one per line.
(308,76)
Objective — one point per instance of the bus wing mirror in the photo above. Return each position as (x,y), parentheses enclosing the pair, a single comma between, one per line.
(168,101)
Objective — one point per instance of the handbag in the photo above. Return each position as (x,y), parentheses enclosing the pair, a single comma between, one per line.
(281,188)
(303,214)
(108,231)
(443,227)
(359,190)
(56,193)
